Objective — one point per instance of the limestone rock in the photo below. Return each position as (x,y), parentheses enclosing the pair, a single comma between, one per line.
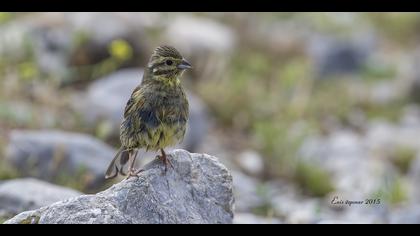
(198,189)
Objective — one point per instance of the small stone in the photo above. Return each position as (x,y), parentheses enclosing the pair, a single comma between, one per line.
(251,162)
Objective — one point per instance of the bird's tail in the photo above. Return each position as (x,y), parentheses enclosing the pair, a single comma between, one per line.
(115,167)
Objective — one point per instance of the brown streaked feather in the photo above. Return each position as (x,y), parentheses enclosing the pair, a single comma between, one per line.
(115,166)
(135,96)
(112,170)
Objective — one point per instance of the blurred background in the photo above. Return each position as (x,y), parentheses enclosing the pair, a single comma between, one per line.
(301,107)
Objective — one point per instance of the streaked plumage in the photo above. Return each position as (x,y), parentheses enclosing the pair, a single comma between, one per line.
(156,114)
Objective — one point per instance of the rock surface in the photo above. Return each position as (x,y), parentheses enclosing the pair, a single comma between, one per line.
(197,190)
(50,154)
(28,194)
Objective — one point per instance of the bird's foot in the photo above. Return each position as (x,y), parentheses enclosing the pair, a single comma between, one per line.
(166,161)
(134,173)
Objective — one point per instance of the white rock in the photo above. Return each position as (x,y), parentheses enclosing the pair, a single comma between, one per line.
(251,161)
(193,33)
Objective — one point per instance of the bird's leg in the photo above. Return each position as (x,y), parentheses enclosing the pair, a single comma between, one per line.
(165,160)
(132,171)
(130,161)
(133,162)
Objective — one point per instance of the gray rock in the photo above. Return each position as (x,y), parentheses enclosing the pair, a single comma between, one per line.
(414,75)
(52,47)
(45,34)
(28,194)
(191,34)
(206,43)
(385,136)
(99,36)
(406,215)
(197,190)
(385,92)
(335,56)
(251,162)
(246,192)
(414,178)
(12,39)
(50,154)
(411,115)
(295,209)
(106,98)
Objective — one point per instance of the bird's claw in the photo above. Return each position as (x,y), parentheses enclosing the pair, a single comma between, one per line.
(134,173)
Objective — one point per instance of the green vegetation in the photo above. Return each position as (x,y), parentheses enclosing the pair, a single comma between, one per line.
(5,17)
(7,171)
(313,179)
(266,208)
(402,158)
(3,219)
(393,191)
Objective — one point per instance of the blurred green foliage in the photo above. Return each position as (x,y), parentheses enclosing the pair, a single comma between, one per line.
(5,16)
(394,191)
(265,209)
(313,179)
(28,70)
(400,28)
(3,219)
(403,157)
(7,171)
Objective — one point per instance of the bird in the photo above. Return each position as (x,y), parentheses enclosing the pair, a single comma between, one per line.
(156,114)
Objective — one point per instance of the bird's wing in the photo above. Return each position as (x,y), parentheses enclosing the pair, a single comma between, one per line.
(136,97)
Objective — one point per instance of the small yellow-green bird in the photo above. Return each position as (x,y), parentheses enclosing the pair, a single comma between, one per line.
(156,114)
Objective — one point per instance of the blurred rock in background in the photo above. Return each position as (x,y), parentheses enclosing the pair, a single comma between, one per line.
(27,194)
(337,56)
(59,156)
(207,44)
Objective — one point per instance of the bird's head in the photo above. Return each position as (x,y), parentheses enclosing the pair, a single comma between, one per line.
(167,62)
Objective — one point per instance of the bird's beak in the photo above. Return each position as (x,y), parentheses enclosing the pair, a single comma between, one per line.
(184,65)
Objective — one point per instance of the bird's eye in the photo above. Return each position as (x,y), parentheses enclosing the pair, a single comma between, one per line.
(169,62)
